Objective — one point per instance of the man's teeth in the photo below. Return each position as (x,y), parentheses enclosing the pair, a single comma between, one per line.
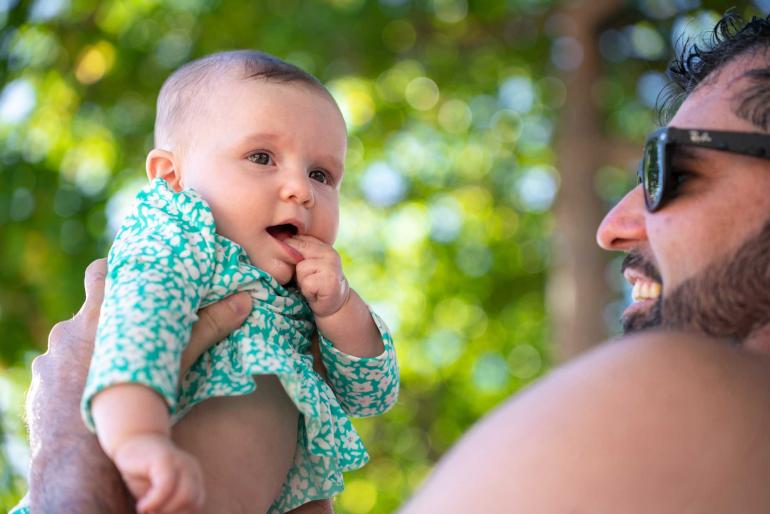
(645,291)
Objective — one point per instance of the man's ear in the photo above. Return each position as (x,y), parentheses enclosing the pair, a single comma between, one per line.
(163,164)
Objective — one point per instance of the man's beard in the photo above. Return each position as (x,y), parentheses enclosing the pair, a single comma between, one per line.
(727,300)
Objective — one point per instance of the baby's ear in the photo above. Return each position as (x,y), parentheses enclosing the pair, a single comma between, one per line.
(163,164)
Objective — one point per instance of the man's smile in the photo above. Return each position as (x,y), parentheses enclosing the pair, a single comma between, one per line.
(645,295)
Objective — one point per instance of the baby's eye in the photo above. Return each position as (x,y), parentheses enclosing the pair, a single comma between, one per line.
(260,158)
(320,176)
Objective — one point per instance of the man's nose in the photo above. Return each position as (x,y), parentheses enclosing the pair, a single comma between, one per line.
(623,227)
(296,187)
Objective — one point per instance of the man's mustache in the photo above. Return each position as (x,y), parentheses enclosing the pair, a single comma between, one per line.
(635,260)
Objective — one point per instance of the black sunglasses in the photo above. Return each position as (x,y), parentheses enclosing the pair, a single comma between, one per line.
(654,169)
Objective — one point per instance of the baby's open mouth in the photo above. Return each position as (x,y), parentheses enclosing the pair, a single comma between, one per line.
(282,232)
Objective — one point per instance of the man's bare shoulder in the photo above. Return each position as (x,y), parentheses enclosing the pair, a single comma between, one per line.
(657,422)
(671,365)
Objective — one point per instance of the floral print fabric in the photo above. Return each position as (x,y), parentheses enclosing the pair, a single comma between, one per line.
(167,261)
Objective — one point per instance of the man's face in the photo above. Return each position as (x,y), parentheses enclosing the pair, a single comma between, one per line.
(685,249)
(268,159)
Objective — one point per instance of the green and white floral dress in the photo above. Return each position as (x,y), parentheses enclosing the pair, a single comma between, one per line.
(167,262)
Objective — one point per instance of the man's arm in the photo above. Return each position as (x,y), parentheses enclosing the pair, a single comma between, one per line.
(662,422)
(68,470)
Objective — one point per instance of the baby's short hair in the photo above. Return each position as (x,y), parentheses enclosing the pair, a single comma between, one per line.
(185,87)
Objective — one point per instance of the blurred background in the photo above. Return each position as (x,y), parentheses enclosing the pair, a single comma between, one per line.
(487,140)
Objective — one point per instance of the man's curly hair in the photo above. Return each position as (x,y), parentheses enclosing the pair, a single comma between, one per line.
(730,38)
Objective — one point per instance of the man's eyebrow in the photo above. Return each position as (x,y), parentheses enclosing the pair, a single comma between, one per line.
(687,153)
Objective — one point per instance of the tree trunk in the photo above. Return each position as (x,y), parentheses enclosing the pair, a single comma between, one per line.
(577,289)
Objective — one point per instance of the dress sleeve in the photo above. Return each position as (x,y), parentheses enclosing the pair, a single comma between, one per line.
(159,270)
(364,386)
(22,507)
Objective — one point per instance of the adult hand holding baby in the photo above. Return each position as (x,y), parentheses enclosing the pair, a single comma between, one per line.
(55,428)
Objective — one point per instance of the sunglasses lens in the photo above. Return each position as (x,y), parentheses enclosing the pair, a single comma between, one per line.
(652,173)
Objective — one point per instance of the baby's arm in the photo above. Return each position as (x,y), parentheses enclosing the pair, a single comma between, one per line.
(159,268)
(356,346)
(364,386)
(133,426)
(340,314)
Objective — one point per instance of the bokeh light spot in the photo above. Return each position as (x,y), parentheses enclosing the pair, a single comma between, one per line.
(17,101)
(422,93)
(407,228)
(537,188)
(22,204)
(517,94)
(354,97)
(446,219)
(443,347)
(567,53)
(475,260)
(383,185)
(524,361)
(649,87)
(360,496)
(454,116)
(94,62)
(450,11)
(44,10)
(173,49)
(490,372)
(646,42)
(506,126)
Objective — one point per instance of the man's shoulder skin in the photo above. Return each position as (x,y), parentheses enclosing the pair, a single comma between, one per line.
(657,422)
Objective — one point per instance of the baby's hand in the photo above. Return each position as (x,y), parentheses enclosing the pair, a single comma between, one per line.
(319,275)
(162,477)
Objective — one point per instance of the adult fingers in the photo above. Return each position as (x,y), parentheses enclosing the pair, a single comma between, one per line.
(215,322)
(76,336)
(95,274)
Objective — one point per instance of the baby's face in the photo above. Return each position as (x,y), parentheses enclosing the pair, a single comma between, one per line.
(268,158)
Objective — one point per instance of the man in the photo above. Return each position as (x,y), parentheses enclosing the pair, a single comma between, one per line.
(660,421)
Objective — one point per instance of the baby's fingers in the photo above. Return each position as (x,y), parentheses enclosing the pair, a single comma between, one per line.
(189,495)
(163,477)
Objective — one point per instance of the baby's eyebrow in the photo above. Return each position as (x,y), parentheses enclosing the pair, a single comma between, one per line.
(262,136)
(335,163)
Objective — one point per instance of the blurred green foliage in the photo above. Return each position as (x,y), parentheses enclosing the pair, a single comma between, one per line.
(451,107)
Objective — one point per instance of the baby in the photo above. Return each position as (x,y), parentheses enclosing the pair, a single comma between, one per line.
(244,196)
